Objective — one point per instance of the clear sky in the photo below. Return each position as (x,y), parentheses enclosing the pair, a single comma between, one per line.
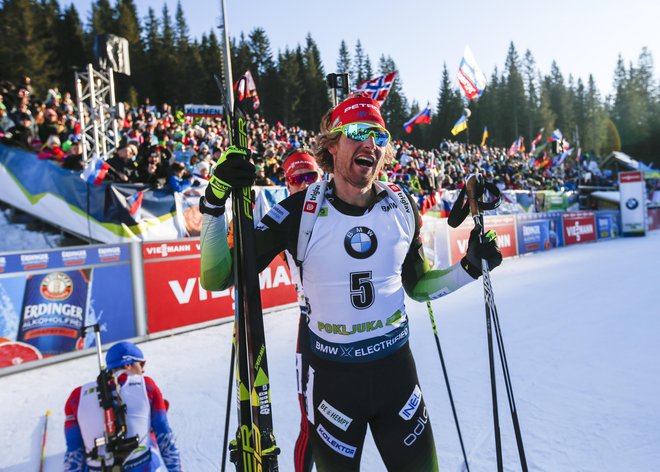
(583,36)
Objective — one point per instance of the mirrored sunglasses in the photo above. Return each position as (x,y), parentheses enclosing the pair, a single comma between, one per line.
(308,178)
(362,132)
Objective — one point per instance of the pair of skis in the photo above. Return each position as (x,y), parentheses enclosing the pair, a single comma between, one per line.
(254,449)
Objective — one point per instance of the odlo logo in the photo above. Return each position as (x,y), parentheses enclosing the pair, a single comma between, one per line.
(417,431)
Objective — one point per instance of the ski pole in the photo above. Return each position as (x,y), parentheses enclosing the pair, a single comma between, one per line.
(475,187)
(228,409)
(444,372)
(43,442)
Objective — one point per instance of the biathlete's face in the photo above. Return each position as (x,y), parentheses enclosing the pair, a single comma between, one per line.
(301,179)
(358,161)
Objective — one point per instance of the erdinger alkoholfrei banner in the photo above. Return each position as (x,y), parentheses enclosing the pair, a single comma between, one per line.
(539,232)
(46,297)
(175,297)
(54,309)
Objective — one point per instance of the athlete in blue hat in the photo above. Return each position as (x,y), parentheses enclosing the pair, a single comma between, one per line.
(85,427)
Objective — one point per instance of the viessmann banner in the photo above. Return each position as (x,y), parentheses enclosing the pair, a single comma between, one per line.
(504,225)
(175,297)
(579,227)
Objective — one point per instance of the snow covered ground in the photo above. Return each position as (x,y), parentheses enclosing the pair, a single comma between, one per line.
(580,326)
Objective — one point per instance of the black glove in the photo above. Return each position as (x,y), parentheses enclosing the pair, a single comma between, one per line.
(232,170)
(476,251)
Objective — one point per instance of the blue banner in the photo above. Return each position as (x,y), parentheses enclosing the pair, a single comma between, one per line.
(48,296)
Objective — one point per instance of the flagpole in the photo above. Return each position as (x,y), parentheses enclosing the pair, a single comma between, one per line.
(229,81)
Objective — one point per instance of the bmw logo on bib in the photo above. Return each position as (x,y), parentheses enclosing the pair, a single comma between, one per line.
(360,242)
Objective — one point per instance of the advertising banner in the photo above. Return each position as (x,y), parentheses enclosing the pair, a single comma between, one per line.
(579,227)
(632,202)
(539,232)
(48,296)
(504,225)
(175,297)
(653,218)
(607,224)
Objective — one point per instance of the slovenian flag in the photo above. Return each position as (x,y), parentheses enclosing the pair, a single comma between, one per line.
(460,125)
(95,171)
(470,77)
(421,118)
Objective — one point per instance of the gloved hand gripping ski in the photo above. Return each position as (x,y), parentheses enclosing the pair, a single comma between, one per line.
(233,170)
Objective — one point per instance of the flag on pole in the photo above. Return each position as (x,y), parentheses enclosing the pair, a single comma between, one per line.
(95,171)
(421,118)
(484,137)
(555,136)
(537,139)
(561,157)
(460,125)
(517,146)
(378,87)
(470,77)
(248,89)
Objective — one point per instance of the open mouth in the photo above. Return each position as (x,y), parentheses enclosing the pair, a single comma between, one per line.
(365,161)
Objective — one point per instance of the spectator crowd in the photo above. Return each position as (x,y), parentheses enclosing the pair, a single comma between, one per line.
(163,147)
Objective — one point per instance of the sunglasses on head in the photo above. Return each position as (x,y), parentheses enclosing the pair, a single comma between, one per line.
(363,131)
(308,178)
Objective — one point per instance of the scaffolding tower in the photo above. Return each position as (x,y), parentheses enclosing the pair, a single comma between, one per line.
(97,112)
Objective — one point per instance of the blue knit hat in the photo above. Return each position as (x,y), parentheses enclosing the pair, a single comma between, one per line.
(123,353)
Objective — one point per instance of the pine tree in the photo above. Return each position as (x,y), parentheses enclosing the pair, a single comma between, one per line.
(102,18)
(344,60)
(71,47)
(448,109)
(314,100)
(359,70)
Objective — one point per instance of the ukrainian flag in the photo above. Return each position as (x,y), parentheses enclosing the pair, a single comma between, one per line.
(459,126)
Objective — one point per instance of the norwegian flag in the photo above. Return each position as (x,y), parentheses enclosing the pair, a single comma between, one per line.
(379,87)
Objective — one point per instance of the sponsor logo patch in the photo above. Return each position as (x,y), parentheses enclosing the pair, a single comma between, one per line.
(310,207)
(360,242)
(335,444)
(335,416)
(278,213)
(410,408)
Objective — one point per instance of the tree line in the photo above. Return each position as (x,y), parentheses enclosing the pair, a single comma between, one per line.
(48,43)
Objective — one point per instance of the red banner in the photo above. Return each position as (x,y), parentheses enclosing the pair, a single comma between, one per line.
(579,227)
(504,225)
(175,297)
(653,218)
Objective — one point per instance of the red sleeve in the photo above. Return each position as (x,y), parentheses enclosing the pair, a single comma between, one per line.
(156,399)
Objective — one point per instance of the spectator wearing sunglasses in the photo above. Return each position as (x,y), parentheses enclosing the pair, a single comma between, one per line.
(357,259)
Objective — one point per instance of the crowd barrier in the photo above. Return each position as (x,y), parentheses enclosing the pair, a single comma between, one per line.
(143,289)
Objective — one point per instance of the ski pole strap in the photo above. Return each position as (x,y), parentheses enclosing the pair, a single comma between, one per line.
(461,207)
